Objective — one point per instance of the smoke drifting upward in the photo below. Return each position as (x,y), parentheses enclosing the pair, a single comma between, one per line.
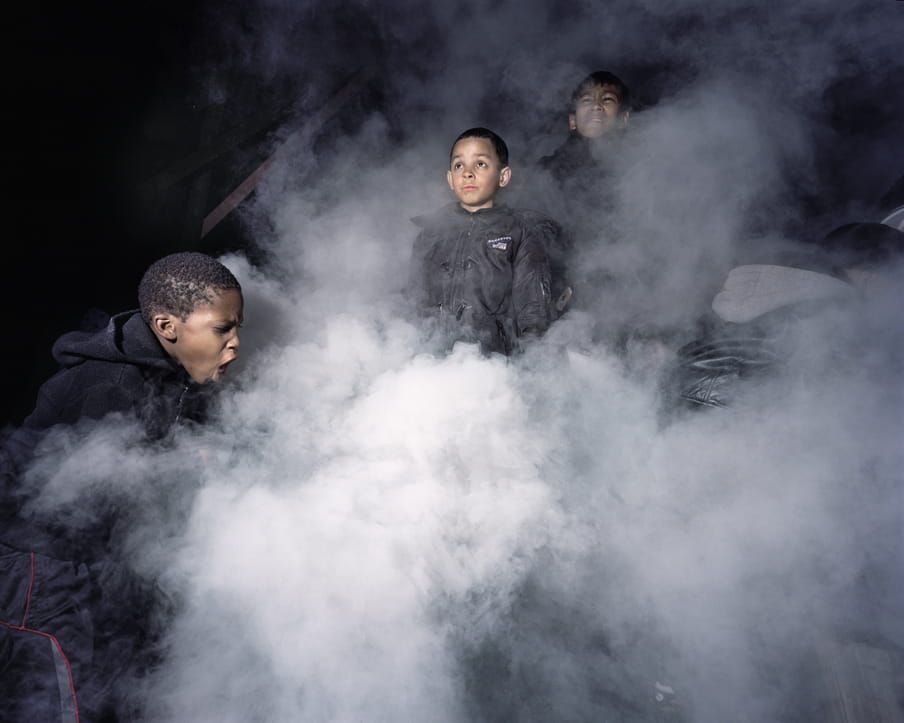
(377,531)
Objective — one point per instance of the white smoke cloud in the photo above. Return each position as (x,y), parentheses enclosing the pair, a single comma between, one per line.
(377,531)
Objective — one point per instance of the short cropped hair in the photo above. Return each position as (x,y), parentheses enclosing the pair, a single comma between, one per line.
(179,283)
(498,143)
(603,77)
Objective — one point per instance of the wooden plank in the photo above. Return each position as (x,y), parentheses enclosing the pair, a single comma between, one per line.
(299,137)
(210,151)
(862,682)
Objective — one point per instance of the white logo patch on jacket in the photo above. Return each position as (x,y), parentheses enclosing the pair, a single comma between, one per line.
(500,244)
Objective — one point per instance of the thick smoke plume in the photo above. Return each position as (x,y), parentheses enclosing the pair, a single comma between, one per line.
(380,530)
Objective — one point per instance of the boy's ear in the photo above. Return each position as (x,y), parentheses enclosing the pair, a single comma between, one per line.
(164,326)
(624,118)
(505,175)
(572,123)
(449,181)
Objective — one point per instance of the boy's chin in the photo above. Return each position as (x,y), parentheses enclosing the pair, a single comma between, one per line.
(211,377)
(471,205)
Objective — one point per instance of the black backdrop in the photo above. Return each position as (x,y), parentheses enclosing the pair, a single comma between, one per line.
(104,123)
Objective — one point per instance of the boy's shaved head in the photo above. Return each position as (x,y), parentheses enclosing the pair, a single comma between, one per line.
(177,284)
(478,132)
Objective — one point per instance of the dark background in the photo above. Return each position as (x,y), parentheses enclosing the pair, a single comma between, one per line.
(117,147)
(78,235)
(114,156)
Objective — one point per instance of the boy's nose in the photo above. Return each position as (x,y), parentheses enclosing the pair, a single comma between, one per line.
(235,342)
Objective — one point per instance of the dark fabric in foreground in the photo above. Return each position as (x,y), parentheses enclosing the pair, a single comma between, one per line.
(74,618)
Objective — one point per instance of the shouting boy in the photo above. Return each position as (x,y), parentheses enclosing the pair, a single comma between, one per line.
(73,622)
(477,263)
(153,361)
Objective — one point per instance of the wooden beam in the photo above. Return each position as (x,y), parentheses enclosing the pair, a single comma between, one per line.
(196,161)
(302,135)
(862,681)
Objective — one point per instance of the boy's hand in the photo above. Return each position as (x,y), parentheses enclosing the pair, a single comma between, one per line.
(563,299)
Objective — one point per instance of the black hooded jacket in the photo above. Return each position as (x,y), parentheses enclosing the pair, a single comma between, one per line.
(121,368)
(574,156)
(575,185)
(488,270)
(68,583)
(584,171)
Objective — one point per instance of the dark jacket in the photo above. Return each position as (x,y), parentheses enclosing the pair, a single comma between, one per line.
(121,368)
(487,270)
(574,155)
(67,585)
(576,186)
(584,170)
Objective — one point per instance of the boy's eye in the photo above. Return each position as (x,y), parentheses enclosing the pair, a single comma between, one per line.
(481,164)
(456,166)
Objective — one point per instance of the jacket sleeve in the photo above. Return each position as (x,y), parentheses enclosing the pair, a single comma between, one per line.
(86,391)
(531,296)
(416,290)
(559,247)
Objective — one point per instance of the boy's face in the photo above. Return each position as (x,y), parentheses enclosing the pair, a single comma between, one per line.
(597,111)
(475,173)
(207,340)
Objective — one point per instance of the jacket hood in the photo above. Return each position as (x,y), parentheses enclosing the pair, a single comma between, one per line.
(125,339)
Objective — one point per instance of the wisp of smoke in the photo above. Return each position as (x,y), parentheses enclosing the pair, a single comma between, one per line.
(379,530)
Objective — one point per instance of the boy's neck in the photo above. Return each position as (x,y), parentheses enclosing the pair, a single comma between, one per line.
(475,210)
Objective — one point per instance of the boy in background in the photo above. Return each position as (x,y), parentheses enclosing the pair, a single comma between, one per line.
(477,264)
(73,622)
(575,185)
(598,113)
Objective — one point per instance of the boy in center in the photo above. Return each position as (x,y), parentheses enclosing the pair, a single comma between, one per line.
(477,264)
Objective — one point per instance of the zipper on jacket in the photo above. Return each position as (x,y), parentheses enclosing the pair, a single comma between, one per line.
(458,268)
(179,403)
